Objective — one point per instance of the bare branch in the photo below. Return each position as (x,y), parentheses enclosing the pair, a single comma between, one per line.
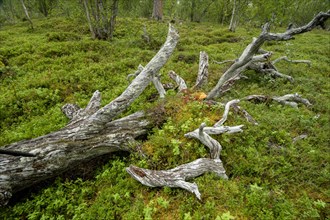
(135,74)
(225,114)
(159,86)
(202,70)
(246,115)
(225,61)
(308,62)
(254,47)
(179,81)
(155,80)
(289,99)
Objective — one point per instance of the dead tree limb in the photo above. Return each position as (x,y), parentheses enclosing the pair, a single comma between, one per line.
(91,132)
(254,47)
(289,99)
(203,71)
(308,62)
(178,176)
(155,80)
(179,81)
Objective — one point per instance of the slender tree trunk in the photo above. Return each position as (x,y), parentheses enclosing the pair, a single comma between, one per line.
(157,12)
(232,26)
(89,19)
(114,12)
(192,11)
(26,13)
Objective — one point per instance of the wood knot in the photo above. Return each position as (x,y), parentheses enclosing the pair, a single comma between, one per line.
(138,171)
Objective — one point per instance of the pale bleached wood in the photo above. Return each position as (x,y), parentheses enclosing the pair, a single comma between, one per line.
(203,70)
(179,81)
(177,176)
(92,132)
(289,99)
(254,47)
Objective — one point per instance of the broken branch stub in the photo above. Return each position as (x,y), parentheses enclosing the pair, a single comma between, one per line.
(203,70)
(178,80)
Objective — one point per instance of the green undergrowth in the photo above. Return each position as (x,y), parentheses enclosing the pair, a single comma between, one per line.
(271,176)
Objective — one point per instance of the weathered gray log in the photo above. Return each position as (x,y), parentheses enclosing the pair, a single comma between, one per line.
(254,47)
(90,133)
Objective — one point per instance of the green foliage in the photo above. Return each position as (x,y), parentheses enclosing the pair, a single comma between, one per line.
(270,175)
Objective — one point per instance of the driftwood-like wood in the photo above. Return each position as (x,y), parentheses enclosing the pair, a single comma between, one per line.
(179,81)
(254,47)
(289,99)
(203,70)
(155,80)
(91,132)
(178,176)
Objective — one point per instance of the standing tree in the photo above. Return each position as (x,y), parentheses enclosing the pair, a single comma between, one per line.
(232,25)
(27,13)
(44,6)
(101,17)
(157,11)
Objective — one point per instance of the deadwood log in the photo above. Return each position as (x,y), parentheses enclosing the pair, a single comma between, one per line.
(178,176)
(90,133)
(249,54)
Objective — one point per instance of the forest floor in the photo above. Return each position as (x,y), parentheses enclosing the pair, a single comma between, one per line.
(272,175)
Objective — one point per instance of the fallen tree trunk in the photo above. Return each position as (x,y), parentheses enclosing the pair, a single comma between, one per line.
(90,133)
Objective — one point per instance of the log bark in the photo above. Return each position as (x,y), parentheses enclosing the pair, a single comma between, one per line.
(254,47)
(91,132)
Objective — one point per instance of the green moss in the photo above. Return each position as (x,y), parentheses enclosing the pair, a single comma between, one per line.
(270,176)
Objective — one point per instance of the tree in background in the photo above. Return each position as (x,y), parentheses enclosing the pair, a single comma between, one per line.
(101,17)
(27,13)
(157,11)
(45,6)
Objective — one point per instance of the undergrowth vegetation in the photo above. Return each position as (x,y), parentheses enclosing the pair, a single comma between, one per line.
(271,175)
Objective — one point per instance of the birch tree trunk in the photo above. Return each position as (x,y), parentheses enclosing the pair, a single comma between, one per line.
(27,13)
(157,12)
(232,25)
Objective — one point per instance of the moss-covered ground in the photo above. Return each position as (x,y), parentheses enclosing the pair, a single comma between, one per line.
(270,175)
